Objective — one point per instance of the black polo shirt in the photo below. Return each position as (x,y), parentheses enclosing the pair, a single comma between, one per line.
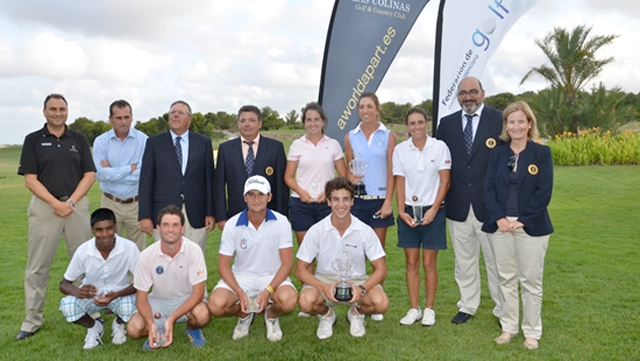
(60,163)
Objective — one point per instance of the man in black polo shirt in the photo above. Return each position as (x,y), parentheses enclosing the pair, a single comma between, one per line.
(58,169)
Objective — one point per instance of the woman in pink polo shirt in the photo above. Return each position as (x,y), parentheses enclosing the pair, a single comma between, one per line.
(313,160)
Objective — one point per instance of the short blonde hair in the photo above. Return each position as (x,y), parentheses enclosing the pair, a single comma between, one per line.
(532,134)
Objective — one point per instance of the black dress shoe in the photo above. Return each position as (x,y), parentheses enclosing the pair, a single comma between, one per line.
(460,317)
(23,334)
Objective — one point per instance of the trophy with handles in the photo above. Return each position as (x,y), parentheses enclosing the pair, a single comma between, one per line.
(343,266)
(358,166)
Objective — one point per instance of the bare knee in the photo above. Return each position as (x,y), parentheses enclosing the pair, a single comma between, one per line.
(137,327)
(286,298)
(309,299)
(200,315)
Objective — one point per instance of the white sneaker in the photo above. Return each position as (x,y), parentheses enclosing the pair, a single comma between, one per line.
(274,333)
(118,333)
(303,314)
(429,317)
(242,328)
(377,317)
(356,327)
(325,326)
(411,317)
(94,336)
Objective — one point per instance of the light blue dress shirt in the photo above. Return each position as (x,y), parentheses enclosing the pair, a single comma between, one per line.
(118,180)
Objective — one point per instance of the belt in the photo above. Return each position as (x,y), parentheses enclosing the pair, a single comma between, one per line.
(424,208)
(121,201)
(368,197)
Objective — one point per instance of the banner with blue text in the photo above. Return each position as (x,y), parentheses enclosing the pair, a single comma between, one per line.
(363,39)
(469,32)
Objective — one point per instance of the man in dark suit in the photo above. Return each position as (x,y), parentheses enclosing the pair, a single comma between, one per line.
(248,155)
(470,133)
(177,168)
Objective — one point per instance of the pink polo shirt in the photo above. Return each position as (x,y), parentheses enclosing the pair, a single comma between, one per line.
(315,163)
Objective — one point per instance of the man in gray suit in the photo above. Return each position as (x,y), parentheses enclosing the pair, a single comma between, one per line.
(470,134)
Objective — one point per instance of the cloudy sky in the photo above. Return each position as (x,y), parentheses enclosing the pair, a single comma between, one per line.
(221,54)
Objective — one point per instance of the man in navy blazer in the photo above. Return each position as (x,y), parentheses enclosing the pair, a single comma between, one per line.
(186,182)
(463,204)
(248,155)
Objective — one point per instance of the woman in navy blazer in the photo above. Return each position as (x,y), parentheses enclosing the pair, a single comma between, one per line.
(517,191)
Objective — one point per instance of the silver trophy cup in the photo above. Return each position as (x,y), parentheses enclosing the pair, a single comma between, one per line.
(358,166)
(343,266)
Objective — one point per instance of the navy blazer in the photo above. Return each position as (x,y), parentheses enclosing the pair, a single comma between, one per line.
(467,171)
(162,182)
(535,182)
(270,162)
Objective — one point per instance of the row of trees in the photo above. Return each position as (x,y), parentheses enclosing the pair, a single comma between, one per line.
(564,106)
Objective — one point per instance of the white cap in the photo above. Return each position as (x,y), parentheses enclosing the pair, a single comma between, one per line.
(258,183)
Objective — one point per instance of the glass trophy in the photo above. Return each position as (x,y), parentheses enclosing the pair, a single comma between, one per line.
(252,295)
(159,321)
(417,210)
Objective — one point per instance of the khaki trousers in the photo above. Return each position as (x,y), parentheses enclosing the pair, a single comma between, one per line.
(126,219)
(520,259)
(467,237)
(45,230)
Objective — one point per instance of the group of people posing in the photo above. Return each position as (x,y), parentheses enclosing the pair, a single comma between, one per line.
(484,171)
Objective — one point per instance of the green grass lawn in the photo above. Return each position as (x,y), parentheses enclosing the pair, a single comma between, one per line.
(590,305)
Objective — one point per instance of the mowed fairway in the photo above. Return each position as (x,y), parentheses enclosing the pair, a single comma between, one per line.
(590,305)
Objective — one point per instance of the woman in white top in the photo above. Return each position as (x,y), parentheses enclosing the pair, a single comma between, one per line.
(313,160)
(422,168)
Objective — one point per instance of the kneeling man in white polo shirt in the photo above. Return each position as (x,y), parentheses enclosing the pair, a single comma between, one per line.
(174,266)
(105,261)
(340,235)
(259,242)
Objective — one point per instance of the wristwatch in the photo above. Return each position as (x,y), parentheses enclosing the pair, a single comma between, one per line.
(364,290)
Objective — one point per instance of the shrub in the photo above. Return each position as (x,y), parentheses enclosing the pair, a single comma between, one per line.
(591,147)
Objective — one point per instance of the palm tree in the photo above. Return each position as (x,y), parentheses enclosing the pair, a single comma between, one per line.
(572,64)
(572,59)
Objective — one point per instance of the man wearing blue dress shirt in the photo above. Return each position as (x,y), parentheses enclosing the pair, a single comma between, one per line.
(117,155)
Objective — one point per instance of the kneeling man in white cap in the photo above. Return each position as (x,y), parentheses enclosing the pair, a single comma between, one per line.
(259,241)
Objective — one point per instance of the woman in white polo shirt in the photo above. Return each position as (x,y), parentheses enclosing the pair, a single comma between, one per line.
(422,171)
(313,160)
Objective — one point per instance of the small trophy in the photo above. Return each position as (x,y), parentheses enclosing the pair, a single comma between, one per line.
(343,267)
(315,191)
(252,295)
(358,166)
(159,321)
(417,210)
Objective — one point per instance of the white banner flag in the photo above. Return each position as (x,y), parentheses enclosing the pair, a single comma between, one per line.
(471,32)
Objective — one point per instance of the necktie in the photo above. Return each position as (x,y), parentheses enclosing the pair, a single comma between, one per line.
(250,158)
(179,152)
(468,132)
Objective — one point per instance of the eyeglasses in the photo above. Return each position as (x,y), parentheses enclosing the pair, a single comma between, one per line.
(512,164)
(472,92)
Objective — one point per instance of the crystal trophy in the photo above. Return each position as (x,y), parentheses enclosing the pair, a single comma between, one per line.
(159,321)
(252,295)
(417,210)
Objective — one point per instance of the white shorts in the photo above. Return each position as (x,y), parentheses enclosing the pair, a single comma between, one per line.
(253,282)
